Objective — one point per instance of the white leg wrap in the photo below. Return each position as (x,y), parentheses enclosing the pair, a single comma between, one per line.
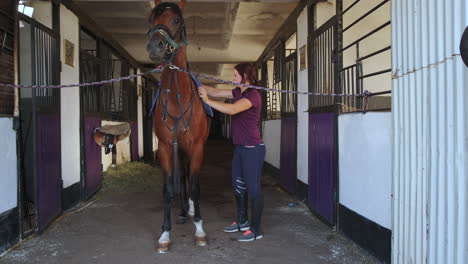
(164,237)
(191,210)
(199,229)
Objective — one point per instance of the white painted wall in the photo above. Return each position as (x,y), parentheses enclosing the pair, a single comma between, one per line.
(123,150)
(8,165)
(70,102)
(140,114)
(272,139)
(324,11)
(365,165)
(42,12)
(302,106)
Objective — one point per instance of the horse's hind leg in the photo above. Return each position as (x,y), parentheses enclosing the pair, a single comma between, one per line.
(196,160)
(168,194)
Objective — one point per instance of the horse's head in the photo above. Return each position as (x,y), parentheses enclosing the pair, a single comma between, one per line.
(167,31)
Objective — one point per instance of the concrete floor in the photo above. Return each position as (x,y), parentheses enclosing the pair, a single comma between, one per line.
(123,228)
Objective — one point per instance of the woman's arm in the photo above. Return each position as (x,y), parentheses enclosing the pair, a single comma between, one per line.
(218,93)
(230,109)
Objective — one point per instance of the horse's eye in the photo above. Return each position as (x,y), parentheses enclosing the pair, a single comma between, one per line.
(177,21)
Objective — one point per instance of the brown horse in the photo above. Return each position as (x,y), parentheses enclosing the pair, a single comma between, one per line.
(180,122)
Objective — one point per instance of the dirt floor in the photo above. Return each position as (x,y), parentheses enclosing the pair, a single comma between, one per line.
(122,223)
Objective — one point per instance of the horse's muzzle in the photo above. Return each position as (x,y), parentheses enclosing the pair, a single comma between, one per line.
(156,49)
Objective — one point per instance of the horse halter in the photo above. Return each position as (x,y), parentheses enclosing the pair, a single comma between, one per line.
(171,45)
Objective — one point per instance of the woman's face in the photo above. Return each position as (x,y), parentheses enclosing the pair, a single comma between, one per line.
(237,77)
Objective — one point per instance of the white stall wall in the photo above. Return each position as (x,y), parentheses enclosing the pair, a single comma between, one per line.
(123,150)
(272,139)
(42,12)
(324,11)
(70,101)
(8,165)
(302,105)
(365,165)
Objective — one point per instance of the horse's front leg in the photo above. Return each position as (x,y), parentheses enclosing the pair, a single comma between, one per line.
(165,155)
(196,160)
(184,206)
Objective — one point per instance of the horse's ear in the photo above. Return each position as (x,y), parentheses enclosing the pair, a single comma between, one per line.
(157,2)
(182,4)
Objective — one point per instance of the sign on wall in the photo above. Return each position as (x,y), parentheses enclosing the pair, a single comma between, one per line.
(69,52)
(303,58)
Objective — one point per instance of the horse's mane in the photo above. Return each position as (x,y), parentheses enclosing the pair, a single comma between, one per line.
(159,10)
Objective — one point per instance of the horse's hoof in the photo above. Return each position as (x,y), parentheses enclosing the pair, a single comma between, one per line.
(163,248)
(201,241)
(181,220)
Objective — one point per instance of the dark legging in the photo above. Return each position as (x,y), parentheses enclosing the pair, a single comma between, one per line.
(247,169)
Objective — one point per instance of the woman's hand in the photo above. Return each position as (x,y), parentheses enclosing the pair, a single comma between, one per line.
(203,94)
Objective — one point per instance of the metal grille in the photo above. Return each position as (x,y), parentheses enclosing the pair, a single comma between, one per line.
(352,78)
(289,100)
(322,53)
(45,69)
(89,69)
(273,99)
(116,101)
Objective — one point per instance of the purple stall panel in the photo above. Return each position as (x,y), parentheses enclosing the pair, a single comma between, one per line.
(322,165)
(134,141)
(288,152)
(92,156)
(49,175)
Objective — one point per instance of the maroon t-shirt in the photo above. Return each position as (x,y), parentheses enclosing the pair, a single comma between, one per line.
(245,125)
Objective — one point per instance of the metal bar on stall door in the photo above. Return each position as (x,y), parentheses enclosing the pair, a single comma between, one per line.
(380,93)
(326,48)
(348,67)
(326,87)
(375,73)
(330,65)
(317,74)
(359,86)
(322,68)
(319,66)
(49,72)
(349,86)
(366,36)
(374,53)
(315,71)
(365,15)
(327,64)
(349,7)
(359,73)
(33,128)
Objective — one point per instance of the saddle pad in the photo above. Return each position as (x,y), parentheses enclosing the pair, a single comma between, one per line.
(116,130)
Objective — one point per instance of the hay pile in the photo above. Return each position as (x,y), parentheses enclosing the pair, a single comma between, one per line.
(131,177)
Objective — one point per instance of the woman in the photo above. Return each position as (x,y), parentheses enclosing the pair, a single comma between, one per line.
(249,151)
